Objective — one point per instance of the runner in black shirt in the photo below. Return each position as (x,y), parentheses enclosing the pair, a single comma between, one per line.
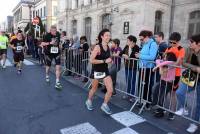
(18,45)
(52,51)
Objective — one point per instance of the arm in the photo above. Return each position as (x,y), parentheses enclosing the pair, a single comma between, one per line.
(152,52)
(116,54)
(160,63)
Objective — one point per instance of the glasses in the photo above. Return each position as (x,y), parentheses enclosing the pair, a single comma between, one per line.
(172,42)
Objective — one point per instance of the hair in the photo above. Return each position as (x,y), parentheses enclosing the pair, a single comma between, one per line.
(116,41)
(101,34)
(160,34)
(64,33)
(146,33)
(195,38)
(53,27)
(171,56)
(83,38)
(175,36)
(132,38)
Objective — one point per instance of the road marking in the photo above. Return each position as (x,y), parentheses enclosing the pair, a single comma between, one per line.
(127,118)
(126,131)
(8,63)
(26,62)
(84,128)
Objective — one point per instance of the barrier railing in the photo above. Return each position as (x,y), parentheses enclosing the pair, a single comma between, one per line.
(143,86)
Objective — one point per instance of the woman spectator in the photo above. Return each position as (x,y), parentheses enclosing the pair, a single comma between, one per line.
(146,56)
(191,61)
(130,65)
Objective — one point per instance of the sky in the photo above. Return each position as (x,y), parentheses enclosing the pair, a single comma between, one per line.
(6,8)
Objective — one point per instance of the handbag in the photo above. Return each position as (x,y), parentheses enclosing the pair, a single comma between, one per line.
(188,78)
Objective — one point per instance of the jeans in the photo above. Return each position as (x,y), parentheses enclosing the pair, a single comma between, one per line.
(181,95)
(130,79)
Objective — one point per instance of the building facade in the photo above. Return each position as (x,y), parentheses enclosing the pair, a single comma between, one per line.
(22,14)
(47,11)
(124,17)
(9,24)
(26,10)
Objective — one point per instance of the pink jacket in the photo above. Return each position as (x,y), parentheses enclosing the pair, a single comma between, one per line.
(167,74)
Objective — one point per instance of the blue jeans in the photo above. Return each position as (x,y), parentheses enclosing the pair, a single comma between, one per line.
(130,80)
(181,94)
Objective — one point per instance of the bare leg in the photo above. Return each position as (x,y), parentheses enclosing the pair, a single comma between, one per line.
(109,86)
(93,89)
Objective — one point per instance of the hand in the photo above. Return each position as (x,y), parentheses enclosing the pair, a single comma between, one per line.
(137,55)
(14,48)
(198,70)
(53,42)
(109,60)
(125,56)
(154,69)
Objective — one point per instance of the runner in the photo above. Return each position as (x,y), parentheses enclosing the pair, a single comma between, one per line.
(18,45)
(100,58)
(52,52)
(3,48)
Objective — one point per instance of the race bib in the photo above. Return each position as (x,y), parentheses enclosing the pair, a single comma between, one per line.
(99,75)
(54,50)
(19,48)
(2,43)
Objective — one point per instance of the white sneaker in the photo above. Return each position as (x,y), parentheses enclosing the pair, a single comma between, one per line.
(192,128)
(182,111)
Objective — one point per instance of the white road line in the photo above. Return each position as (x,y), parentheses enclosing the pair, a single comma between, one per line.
(26,62)
(8,63)
(126,131)
(84,128)
(127,118)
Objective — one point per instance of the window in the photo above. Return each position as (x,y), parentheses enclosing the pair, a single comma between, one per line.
(38,12)
(41,12)
(44,11)
(54,10)
(158,21)
(33,14)
(106,21)
(88,28)
(194,23)
(74,27)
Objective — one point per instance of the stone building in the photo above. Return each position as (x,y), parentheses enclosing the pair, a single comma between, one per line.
(124,17)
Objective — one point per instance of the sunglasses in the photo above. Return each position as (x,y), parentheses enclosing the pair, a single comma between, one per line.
(172,42)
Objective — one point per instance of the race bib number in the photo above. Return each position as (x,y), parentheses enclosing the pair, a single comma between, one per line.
(54,50)
(99,75)
(19,48)
(2,43)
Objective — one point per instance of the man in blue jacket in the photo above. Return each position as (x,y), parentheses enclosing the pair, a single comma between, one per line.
(146,57)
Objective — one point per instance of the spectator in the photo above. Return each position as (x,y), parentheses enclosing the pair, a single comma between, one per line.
(84,56)
(176,48)
(162,46)
(191,61)
(130,64)
(167,73)
(147,54)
